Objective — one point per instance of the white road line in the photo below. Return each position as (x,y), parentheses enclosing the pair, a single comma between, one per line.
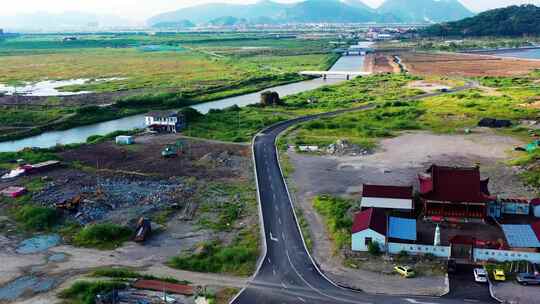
(315,289)
(413,301)
(273,238)
(273,271)
(301,300)
(279,220)
(283,285)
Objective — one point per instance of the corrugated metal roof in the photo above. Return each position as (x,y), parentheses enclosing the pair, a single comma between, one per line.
(520,236)
(384,191)
(402,228)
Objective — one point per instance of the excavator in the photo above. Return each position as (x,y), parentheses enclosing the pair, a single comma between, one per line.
(172,150)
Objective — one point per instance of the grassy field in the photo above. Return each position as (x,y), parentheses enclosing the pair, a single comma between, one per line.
(240,124)
(189,69)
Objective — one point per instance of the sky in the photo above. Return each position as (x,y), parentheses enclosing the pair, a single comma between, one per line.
(143,9)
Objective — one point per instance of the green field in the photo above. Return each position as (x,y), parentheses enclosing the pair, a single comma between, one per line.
(155,72)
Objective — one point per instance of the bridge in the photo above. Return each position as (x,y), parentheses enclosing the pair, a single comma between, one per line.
(325,74)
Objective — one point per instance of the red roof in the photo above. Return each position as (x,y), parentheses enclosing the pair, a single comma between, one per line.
(371,218)
(387,191)
(535,202)
(164,286)
(457,185)
(536,228)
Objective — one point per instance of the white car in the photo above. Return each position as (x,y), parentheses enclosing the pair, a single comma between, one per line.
(480,275)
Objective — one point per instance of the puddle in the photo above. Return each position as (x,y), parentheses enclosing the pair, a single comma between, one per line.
(26,284)
(48,87)
(57,257)
(38,244)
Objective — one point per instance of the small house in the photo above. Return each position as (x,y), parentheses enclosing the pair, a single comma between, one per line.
(13,192)
(368,226)
(125,140)
(165,121)
(387,197)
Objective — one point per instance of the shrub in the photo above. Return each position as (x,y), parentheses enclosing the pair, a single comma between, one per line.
(85,292)
(36,218)
(191,114)
(374,249)
(102,236)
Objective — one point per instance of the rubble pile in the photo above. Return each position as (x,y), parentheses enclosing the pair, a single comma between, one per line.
(224,159)
(94,201)
(344,147)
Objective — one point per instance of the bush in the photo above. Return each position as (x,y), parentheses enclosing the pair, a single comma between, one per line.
(191,114)
(374,249)
(102,236)
(335,213)
(36,218)
(86,292)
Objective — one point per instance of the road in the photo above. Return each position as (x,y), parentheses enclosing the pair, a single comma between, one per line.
(287,273)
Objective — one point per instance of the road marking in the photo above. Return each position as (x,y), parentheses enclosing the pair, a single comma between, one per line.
(471,300)
(317,290)
(413,301)
(273,238)
(283,285)
(279,220)
(283,235)
(301,300)
(273,271)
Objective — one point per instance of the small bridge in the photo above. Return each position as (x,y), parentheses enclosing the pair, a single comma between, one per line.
(325,74)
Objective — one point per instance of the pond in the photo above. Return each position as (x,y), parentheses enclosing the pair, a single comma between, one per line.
(49,88)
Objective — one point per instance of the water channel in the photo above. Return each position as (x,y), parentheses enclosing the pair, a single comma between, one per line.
(80,134)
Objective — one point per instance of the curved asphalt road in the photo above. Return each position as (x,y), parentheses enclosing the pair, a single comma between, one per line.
(287,274)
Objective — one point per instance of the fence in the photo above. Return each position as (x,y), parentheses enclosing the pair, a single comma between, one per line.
(505,255)
(438,251)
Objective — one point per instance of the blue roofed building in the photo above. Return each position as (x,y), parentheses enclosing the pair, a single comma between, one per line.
(520,236)
(402,228)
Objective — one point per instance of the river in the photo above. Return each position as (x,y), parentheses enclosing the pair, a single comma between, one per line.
(80,134)
(525,54)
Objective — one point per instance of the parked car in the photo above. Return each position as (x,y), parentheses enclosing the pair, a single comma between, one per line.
(498,275)
(528,279)
(451,266)
(480,275)
(405,271)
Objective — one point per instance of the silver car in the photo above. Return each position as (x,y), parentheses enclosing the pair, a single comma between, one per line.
(528,279)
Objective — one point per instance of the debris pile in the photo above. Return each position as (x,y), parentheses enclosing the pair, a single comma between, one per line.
(224,159)
(344,147)
(89,201)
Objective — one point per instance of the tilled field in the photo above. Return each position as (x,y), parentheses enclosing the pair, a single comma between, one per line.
(465,65)
(197,159)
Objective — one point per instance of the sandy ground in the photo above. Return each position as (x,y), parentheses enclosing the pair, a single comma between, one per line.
(428,87)
(465,65)
(396,162)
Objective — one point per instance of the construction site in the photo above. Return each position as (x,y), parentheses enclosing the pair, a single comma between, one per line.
(168,190)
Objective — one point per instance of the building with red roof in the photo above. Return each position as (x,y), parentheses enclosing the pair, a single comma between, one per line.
(369,226)
(454,193)
(388,197)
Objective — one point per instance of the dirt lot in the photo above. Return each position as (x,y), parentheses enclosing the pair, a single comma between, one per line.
(380,62)
(122,183)
(465,65)
(396,162)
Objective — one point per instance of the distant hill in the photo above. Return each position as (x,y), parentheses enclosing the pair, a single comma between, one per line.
(267,11)
(181,24)
(425,10)
(508,21)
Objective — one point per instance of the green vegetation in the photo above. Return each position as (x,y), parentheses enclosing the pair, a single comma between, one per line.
(374,248)
(304,227)
(338,221)
(211,67)
(239,258)
(509,21)
(102,236)
(240,124)
(34,218)
(84,292)
(125,273)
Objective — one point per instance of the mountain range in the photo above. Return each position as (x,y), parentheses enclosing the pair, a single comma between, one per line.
(316,11)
